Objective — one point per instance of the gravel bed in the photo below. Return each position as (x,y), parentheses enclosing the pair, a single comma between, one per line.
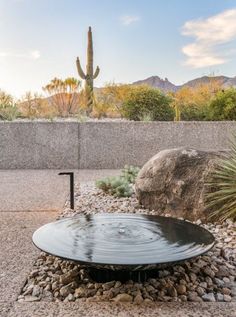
(68,119)
(208,278)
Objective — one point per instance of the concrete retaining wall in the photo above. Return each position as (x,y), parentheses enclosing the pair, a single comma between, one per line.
(39,145)
(99,145)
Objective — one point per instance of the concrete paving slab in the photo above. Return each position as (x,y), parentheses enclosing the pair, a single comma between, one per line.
(17,253)
(84,309)
(152,310)
(40,190)
(5,309)
(93,175)
(32,190)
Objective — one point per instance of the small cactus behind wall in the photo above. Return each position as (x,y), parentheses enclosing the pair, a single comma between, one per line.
(90,74)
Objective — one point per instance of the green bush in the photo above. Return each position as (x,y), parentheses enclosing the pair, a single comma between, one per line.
(223,106)
(116,186)
(129,173)
(119,186)
(195,113)
(9,113)
(144,102)
(8,109)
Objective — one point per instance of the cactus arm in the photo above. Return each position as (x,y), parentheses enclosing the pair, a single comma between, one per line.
(97,71)
(79,68)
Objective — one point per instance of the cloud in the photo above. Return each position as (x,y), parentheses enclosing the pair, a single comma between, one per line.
(35,54)
(129,19)
(211,37)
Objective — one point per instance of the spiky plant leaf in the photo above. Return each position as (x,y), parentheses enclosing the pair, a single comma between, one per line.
(221,195)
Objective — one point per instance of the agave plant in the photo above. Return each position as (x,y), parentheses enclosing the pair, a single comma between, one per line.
(116,186)
(221,197)
(130,173)
(120,186)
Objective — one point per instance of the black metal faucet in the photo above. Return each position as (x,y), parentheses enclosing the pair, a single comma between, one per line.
(72,198)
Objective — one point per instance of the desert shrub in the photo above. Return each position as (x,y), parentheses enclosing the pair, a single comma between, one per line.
(100,110)
(9,113)
(147,117)
(8,108)
(192,103)
(82,117)
(119,186)
(64,96)
(103,107)
(130,173)
(144,101)
(223,106)
(116,95)
(221,194)
(116,186)
(194,112)
(108,100)
(33,105)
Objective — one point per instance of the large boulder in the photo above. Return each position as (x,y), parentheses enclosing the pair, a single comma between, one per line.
(173,182)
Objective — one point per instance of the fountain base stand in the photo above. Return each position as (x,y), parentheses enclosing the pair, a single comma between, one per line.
(104,276)
(136,245)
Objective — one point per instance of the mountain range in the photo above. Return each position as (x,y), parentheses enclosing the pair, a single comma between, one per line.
(165,85)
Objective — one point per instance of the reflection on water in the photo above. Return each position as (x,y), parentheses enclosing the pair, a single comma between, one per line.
(123,239)
(77,236)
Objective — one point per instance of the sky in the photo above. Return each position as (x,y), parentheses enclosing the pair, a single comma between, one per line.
(133,39)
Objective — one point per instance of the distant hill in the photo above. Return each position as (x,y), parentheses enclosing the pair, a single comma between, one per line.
(157,82)
(165,85)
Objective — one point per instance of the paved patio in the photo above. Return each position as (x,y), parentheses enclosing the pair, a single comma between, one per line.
(17,252)
(40,190)
(32,190)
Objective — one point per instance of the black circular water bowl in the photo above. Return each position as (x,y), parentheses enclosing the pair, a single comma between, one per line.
(123,246)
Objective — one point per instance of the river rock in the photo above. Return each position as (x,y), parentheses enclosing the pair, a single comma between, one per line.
(138,299)
(219,297)
(31,298)
(68,277)
(65,290)
(227,298)
(81,292)
(123,298)
(36,291)
(172,291)
(173,182)
(181,289)
(209,297)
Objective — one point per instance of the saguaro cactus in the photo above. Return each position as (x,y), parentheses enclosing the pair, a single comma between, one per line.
(90,75)
(177,113)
